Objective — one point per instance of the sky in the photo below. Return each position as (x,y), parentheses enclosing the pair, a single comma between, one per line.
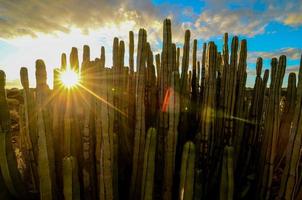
(31,29)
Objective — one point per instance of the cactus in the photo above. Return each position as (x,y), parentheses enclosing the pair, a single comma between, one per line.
(184,105)
(9,172)
(207,113)
(194,74)
(157,60)
(140,130)
(172,135)
(29,111)
(271,129)
(287,116)
(240,94)
(131,52)
(187,172)
(70,179)
(149,165)
(46,163)
(29,132)
(74,59)
(107,189)
(177,59)
(230,92)
(131,88)
(227,174)
(166,69)
(86,137)
(63,62)
(185,66)
(289,187)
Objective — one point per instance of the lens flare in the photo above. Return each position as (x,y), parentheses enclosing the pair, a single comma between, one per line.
(69,78)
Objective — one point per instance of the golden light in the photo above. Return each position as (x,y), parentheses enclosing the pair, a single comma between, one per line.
(69,78)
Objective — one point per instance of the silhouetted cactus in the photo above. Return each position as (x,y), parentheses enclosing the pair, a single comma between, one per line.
(29,131)
(63,62)
(46,165)
(289,183)
(271,129)
(287,117)
(74,59)
(140,129)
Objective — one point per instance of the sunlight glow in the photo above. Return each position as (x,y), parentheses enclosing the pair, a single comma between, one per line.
(69,78)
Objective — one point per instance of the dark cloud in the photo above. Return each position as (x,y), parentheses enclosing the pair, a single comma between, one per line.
(19,17)
(30,17)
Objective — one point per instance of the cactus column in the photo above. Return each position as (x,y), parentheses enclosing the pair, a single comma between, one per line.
(46,165)
(140,129)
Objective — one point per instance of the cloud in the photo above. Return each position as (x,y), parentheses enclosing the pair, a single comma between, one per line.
(30,17)
(241,17)
(294,69)
(291,53)
(293,19)
(210,23)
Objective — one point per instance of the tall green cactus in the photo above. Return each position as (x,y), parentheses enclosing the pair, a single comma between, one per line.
(71,179)
(46,165)
(172,136)
(8,163)
(184,67)
(240,96)
(208,104)
(105,118)
(30,132)
(140,129)
(149,165)
(166,69)
(227,174)
(186,186)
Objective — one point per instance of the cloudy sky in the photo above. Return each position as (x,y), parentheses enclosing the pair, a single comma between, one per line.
(32,29)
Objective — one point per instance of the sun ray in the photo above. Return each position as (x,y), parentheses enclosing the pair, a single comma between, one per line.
(102,99)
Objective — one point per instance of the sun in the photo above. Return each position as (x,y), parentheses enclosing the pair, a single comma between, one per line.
(69,78)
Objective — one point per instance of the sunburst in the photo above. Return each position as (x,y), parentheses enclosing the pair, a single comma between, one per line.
(69,78)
